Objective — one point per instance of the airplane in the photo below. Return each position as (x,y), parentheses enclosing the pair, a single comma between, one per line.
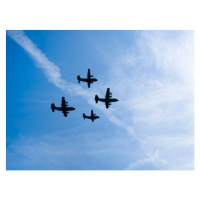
(92,117)
(89,80)
(64,107)
(108,98)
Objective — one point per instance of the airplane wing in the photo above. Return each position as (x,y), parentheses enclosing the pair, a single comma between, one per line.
(107,93)
(88,84)
(64,103)
(65,113)
(107,104)
(88,75)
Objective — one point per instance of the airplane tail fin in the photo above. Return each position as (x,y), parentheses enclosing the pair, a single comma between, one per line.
(78,78)
(96,98)
(84,116)
(53,107)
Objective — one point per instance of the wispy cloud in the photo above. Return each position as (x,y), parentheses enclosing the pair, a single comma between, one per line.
(154,81)
(61,151)
(157,90)
(166,152)
(52,72)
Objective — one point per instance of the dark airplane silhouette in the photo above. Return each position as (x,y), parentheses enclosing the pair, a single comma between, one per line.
(92,117)
(89,80)
(64,107)
(108,100)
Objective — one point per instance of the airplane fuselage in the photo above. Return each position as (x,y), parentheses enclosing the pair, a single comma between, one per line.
(107,100)
(65,108)
(90,80)
(92,118)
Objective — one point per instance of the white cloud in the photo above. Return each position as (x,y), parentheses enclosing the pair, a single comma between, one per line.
(154,82)
(52,72)
(156,89)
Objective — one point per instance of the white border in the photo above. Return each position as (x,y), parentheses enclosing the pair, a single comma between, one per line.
(145,15)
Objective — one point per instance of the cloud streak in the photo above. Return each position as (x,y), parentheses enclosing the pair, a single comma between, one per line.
(53,75)
(157,91)
(155,84)
(51,71)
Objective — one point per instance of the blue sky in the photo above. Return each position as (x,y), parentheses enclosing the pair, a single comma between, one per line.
(150,72)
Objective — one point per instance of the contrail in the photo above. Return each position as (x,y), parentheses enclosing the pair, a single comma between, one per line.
(52,72)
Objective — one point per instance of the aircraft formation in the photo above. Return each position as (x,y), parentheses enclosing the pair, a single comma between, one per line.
(107,100)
